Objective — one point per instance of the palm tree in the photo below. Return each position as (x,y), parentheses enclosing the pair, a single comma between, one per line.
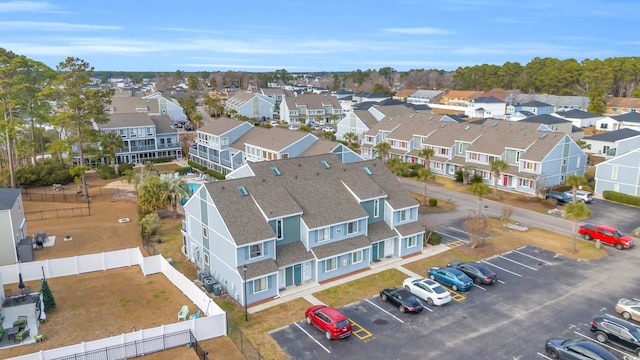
(174,190)
(480,190)
(351,138)
(575,180)
(497,166)
(466,172)
(152,195)
(426,154)
(111,142)
(424,175)
(381,150)
(576,211)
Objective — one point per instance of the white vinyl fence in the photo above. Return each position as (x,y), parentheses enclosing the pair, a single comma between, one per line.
(214,324)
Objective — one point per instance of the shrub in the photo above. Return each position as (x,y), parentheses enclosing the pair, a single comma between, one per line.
(475,179)
(53,172)
(621,198)
(164,159)
(106,171)
(435,238)
(182,170)
(433,202)
(458,176)
(123,167)
(204,169)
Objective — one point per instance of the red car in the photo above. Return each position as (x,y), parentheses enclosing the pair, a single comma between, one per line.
(329,320)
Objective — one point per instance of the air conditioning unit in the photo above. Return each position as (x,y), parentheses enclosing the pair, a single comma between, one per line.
(202,274)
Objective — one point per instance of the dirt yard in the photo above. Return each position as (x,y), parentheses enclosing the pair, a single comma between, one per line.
(103,304)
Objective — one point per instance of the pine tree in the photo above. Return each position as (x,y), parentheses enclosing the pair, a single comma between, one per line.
(47,296)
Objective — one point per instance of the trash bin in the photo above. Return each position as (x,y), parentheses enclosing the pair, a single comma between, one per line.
(217,289)
(208,283)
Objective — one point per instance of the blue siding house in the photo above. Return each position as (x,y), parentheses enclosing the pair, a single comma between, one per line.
(619,174)
(270,222)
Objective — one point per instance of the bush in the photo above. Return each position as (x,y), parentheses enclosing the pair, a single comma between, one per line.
(621,198)
(106,172)
(475,179)
(123,167)
(159,160)
(433,202)
(202,168)
(182,170)
(53,172)
(458,176)
(435,238)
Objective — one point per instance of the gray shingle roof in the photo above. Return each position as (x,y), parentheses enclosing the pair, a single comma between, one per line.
(8,198)
(274,139)
(164,124)
(576,114)
(545,119)
(379,230)
(630,117)
(127,121)
(259,269)
(292,253)
(220,126)
(410,229)
(612,136)
(341,247)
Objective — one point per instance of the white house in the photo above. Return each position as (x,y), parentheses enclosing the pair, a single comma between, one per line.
(614,143)
(579,118)
(486,107)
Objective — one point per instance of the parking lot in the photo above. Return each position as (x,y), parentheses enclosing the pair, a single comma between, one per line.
(539,295)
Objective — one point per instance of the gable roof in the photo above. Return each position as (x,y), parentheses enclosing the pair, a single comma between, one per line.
(8,198)
(629,117)
(576,114)
(164,124)
(613,136)
(487,100)
(463,94)
(545,119)
(130,104)
(275,138)
(220,126)
(127,120)
(624,102)
(533,103)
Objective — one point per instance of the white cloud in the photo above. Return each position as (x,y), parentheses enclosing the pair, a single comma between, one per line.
(418,31)
(25,6)
(52,26)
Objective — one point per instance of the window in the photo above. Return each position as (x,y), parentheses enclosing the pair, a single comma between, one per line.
(255,251)
(578,163)
(260,285)
(614,172)
(404,215)
(279,229)
(330,264)
(604,126)
(352,227)
(205,233)
(356,257)
(376,208)
(324,234)
(412,241)
(206,259)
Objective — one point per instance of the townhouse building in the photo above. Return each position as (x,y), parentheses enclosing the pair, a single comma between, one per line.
(291,231)
(251,105)
(304,108)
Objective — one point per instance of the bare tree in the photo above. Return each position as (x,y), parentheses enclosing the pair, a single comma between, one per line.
(430,225)
(474,226)
(507,211)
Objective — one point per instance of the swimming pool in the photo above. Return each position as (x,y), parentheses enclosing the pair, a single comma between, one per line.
(193,187)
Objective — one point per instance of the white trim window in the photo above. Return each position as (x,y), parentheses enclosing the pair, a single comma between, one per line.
(404,215)
(412,241)
(357,257)
(206,259)
(205,232)
(260,285)
(614,172)
(255,251)
(331,264)
(352,227)
(324,234)
(279,229)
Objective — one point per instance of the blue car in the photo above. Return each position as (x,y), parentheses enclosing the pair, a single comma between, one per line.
(453,278)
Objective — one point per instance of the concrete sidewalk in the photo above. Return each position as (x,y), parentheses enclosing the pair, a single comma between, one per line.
(306,290)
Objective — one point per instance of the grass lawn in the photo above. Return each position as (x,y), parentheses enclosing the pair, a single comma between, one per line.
(442,206)
(359,289)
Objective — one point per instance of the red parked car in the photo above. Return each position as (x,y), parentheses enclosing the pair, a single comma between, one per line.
(608,235)
(329,320)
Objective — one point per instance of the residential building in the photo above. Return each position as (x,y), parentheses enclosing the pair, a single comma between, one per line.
(145,136)
(622,105)
(425,96)
(486,107)
(559,103)
(533,107)
(613,143)
(619,174)
(274,224)
(304,108)
(276,94)
(13,225)
(211,147)
(369,97)
(629,120)
(251,105)
(155,104)
(579,118)
(460,98)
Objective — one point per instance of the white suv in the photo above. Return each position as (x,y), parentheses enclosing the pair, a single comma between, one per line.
(581,195)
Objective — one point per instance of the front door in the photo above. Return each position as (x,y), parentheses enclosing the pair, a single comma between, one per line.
(306,271)
(297,274)
(281,277)
(289,276)
(374,252)
(505,180)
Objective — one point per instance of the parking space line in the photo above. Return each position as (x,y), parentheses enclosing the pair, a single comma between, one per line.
(312,338)
(480,287)
(515,262)
(359,329)
(533,257)
(599,343)
(455,244)
(456,296)
(501,282)
(544,356)
(501,268)
(390,314)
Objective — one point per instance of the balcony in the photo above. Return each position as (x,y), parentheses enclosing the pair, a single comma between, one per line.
(169,146)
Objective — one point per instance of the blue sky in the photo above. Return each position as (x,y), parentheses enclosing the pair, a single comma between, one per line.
(306,35)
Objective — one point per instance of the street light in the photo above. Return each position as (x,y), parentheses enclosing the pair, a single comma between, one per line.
(246,313)
(484,232)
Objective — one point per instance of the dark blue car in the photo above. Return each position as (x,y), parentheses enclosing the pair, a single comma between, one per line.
(453,278)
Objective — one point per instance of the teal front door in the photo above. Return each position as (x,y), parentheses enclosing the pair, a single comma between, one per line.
(288,276)
(297,274)
(374,253)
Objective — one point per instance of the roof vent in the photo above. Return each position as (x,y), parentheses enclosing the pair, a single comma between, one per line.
(523,127)
(543,136)
(443,125)
(467,127)
(494,124)
(411,116)
(430,117)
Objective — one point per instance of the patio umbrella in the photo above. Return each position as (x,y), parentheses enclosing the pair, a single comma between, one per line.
(41,315)
(21,283)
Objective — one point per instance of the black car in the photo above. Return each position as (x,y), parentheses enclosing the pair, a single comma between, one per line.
(478,272)
(620,332)
(576,349)
(401,298)
(560,197)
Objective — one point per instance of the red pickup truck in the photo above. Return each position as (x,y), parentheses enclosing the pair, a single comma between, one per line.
(608,235)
